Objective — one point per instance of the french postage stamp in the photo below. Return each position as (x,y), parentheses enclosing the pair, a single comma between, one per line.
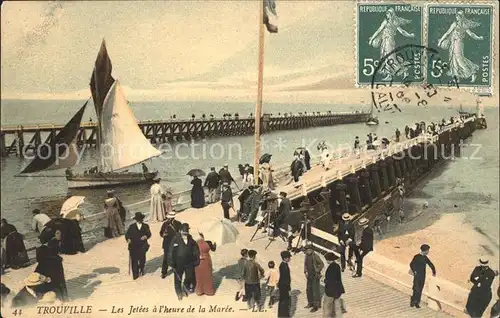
(380,29)
(463,35)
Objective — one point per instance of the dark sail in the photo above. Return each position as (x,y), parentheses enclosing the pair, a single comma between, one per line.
(101,80)
(61,151)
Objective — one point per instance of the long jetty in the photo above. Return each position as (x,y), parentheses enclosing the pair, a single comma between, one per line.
(20,139)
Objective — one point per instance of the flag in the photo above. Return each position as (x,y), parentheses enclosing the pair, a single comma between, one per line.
(101,80)
(270,7)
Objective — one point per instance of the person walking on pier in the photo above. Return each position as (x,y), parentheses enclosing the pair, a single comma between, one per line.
(197,194)
(184,256)
(356,144)
(252,274)
(333,304)
(480,294)
(115,225)
(364,247)
(169,229)
(226,200)
(284,282)
(39,221)
(225,175)
(407,131)
(418,266)
(211,183)
(297,168)
(398,135)
(137,236)
(157,208)
(313,265)
(346,239)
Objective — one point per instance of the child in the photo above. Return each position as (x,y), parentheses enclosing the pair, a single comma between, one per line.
(272,277)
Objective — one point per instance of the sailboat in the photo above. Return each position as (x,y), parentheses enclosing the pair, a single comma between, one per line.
(372,120)
(120,141)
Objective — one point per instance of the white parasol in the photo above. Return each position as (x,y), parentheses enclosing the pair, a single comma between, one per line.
(69,209)
(218,230)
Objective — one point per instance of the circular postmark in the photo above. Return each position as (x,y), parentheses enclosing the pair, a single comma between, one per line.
(403,67)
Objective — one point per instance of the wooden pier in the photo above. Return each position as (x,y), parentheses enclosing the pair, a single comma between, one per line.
(20,139)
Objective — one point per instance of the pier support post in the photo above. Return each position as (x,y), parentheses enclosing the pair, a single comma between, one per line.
(397,168)
(20,142)
(390,172)
(341,188)
(352,186)
(366,191)
(3,149)
(377,192)
(384,180)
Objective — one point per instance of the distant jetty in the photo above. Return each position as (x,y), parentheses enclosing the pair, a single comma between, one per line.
(20,140)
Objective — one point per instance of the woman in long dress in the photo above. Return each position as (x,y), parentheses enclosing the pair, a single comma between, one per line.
(267,177)
(157,207)
(204,271)
(453,41)
(385,39)
(197,193)
(16,255)
(115,226)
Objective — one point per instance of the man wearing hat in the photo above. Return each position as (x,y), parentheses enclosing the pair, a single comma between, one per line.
(211,183)
(346,239)
(137,238)
(32,292)
(252,205)
(226,199)
(418,265)
(225,175)
(480,294)
(284,287)
(169,229)
(39,221)
(184,255)
(333,304)
(364,247)
(284,210)
(313,265)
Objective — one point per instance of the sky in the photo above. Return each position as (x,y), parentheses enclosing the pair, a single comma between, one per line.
(181,50)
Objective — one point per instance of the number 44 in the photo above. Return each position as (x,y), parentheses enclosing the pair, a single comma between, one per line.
(369,66)
(18,312)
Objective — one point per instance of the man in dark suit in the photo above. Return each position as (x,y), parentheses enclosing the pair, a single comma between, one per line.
(284,209)
(226,199)
(346,239)
(168,231)
(284,287)
(137,238)
(418,265)
(364,247)
(184,255)
(212,182)
(333,304)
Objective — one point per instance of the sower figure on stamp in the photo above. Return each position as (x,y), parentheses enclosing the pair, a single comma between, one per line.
(169,229)
(137,238)
(480,294)
(184,255)
(418,267)
(313,265)
(346,239)
(333,304)
(364,247)
(284,287)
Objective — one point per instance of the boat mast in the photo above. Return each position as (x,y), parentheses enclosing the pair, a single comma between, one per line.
(98,129)
(258,105)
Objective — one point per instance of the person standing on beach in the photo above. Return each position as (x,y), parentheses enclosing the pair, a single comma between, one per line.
(225,176)
(313,265)
(333,304)
(480,294)
(418,266)
(168,231)
(241,278)
(284,287)
(364,247)
(137,238)
(346,239)
(226,199)
(211,183)
(115,226)
(252,274)
(157,208)
(39,221)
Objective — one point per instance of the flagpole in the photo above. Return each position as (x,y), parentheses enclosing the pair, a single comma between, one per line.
(258,105)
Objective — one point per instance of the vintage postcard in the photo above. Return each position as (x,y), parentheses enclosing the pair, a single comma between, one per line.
(249,159)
